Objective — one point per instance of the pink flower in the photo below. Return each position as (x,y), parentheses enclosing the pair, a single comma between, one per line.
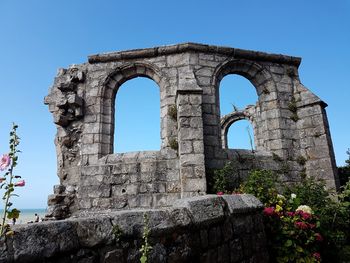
(4,161)
(20,183)
(220,193)
(2,179)
(317,256)
(269,211)
(290,214)
(301,225)
(318,237)
(305,215)
(312,226)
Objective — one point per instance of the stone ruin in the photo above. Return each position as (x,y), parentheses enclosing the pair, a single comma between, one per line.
(291,132)
(101,193)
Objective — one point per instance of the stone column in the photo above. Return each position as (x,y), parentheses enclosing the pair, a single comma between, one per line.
(190,140)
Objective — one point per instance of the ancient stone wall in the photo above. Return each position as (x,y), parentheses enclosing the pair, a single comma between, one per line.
(289,124)
(198,229)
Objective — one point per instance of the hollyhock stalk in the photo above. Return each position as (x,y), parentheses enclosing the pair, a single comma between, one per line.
(9,185)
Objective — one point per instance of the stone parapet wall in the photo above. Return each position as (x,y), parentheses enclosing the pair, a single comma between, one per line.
(199,229)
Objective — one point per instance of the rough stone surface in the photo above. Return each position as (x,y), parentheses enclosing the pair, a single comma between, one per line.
(289,123)
(200,229)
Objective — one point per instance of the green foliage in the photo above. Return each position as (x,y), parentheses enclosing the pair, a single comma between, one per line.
(172,112)
(222,179)
(344,171)
(117,232)
(335,222)
(174,144)
(301,160)
(309,191)
(292,106)
(344,174)
(284,168)
(262,184)
(294,117)
(146,247)
(14,213)
(297,237)
(8,182)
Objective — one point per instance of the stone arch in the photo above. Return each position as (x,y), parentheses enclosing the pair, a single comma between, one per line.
(229,119)
(259,76)
(109,90)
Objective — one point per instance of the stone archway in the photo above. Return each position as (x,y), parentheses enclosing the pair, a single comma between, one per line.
(228,120)
(110,88)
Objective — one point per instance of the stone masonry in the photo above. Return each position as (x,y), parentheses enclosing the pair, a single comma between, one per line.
(199,229)
(290,125)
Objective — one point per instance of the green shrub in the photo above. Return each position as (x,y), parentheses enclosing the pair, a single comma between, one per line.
(303,236)
(262,184)
(224,180)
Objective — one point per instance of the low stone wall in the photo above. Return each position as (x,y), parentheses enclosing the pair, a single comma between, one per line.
(199,229)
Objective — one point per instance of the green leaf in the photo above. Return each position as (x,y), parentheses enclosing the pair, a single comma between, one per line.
(14,213)
(288,243)
(299,249)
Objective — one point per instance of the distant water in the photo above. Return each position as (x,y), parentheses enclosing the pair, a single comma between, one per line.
(28,215)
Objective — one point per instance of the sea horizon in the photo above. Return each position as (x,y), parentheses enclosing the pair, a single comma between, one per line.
(27,215)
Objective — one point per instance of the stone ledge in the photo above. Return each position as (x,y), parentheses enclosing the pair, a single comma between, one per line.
(38,241)
(185,47)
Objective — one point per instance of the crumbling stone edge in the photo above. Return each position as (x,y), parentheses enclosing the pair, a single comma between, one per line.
(207,228)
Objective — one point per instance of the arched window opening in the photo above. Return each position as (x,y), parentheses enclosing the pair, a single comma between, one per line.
(236,93)
(240,135)
(137,116)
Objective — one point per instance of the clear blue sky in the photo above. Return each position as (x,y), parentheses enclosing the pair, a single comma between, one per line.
(38,37)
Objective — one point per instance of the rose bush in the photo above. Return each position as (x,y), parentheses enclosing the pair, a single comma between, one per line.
(293,234)
(303,222)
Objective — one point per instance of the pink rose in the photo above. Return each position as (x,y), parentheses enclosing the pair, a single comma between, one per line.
(301,225)
(318,237)
(290,214)
(269,211)
(4,161)
(317,256)
(305,215)
(20,183)
(220,193)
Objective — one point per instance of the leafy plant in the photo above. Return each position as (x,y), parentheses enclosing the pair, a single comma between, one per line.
(117,232)
(172,112)
(173,144)
(10,181)
(146,247)
(322,230)
(262,184)
(294,234)
(344,171)
(221,180)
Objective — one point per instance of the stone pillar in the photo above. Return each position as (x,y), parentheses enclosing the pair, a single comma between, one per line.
(190,140)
